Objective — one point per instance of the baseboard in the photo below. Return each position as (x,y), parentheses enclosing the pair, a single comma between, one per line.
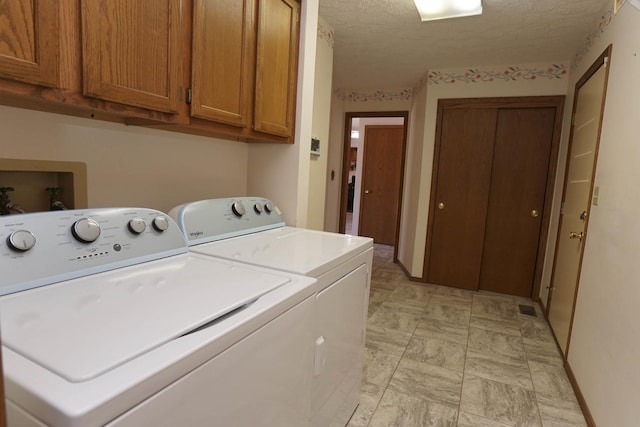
(572,379)
(581,400)
(406,272)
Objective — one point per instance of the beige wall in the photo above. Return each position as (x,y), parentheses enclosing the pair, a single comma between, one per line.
(128,165)
(334,165)
(413,167)
(605,342)
(543,84)
(320,126)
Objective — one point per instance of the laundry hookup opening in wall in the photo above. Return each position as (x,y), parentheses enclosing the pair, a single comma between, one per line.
(315,146)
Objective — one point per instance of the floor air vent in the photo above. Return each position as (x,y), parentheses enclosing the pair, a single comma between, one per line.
(528,310)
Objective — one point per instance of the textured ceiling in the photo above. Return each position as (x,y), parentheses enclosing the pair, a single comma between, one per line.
(382,44)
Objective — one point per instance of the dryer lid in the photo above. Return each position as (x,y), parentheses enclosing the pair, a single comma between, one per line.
(82,328)
(296,250)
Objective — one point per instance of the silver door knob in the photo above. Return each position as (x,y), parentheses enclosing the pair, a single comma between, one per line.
(366,191)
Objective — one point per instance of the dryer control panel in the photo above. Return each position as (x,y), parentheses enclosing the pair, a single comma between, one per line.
(216,219)
(42,248)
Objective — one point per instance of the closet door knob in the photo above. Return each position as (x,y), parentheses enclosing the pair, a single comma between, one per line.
(534,213)
(440,205)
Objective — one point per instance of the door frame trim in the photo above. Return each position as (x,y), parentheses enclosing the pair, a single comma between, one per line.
(346,146)
(599,62)
(502,102)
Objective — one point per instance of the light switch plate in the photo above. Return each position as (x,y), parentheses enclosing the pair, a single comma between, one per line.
(596,195)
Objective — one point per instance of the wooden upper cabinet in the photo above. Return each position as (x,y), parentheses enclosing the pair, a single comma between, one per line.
(276,66)
(131,52)
(222,64)
(29,41)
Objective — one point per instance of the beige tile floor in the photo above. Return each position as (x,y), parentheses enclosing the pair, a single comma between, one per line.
(440,356)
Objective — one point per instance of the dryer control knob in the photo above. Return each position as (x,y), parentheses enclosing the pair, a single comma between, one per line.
(86,230)
(160,223)
(258,208)
(268,207)
(136,225)
(21,240)
(238,209)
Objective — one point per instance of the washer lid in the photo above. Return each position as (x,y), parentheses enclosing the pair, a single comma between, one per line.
(84,327)
(296,250)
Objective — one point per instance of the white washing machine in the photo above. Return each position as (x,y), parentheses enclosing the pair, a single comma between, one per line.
(107,319)
(252,230)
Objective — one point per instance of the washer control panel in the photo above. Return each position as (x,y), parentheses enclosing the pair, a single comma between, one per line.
(42,248)
(215,219)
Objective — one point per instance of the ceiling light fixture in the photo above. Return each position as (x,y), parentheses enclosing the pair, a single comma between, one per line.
(431,10)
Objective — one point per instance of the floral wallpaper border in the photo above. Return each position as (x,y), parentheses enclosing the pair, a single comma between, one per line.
(327,35)
(509,73)
(603,23)
(378,95)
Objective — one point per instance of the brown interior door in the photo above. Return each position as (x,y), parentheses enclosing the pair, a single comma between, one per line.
(381,182)
(516,200)
(461,197)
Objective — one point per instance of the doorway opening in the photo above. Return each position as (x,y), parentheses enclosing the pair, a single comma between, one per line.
(373,173)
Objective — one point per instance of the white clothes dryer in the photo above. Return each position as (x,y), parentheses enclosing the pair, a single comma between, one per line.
(252,230)
(108,319)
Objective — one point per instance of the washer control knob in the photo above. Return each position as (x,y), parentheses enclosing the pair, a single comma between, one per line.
(238,209)
(160,223)
(21,240)
(86,230)
(268,207)
(258,208)
(136,225)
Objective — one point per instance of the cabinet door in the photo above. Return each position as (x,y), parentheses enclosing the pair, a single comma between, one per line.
(223,60)
(276,66)
(29,41)
(130,52)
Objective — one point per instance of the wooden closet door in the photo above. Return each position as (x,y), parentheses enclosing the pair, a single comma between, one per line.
(521,153)
(461,196)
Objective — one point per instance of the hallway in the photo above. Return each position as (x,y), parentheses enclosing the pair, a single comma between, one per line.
(440,356)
